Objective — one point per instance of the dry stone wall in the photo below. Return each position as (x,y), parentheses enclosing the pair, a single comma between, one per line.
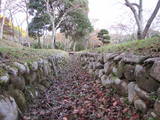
(20,83)
(136,77)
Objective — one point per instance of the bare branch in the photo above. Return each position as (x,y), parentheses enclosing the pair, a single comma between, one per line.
(151,19)
(135,4)
(128,4)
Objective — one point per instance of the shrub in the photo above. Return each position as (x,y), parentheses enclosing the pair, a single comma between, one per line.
(103,36)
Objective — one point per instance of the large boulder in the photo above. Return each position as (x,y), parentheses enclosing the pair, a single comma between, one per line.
(92,59)
(91,71)
(101,73)
(100,59)
(130,58)
(134,59)
(27,68)
(94,65)
(143,95)
(131,92)
(122,87)
(99,65)
(120,69)
(34,66)
(109,56)
(18,82)
(158,92)
(144,81)
(13,71)
(90,66)
(97,72)
(21,67)
(157,108)
(106,80)
(140,105)
(119,57)
(115,71)
(152,60)
(31,78)
(19,98)
(108,68)
(8,108)
(4,79)
(129,73)
(155,70)
(31,93)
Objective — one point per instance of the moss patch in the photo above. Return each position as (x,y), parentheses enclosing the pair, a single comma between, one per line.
(19,98)
(2,71)
(27,54)
(149,46)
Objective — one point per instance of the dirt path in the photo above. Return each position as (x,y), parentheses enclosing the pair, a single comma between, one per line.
(75,95)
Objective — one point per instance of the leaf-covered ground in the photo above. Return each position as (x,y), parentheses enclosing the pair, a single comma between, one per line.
(76,95)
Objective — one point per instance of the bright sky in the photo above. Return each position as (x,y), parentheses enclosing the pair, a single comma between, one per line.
(111,12)
(106,13)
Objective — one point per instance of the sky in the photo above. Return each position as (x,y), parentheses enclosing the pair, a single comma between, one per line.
(105,13)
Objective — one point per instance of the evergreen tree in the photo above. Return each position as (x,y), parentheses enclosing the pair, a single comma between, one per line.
(70,16)
(103,36)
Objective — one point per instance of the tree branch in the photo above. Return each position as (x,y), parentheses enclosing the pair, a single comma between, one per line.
(63,16)
(149,22)
(135,4)
(130,5)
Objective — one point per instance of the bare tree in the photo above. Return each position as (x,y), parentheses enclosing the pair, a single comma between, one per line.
(23,7)
(3,12)
(7,7)
(137,9)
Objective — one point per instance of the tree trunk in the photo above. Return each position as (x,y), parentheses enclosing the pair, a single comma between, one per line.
(74,46)
(53,36)
(39,42)
(2,27)
(12,24)
(151,19)
(140,33)
(138,15)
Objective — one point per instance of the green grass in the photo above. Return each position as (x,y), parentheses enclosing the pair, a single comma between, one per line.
(137,46)
(16,52)
(27,54)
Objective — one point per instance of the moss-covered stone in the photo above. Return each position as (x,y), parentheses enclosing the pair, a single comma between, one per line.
(41,87)
(18,82)
(19,98)
(30,93)
(120,69)
(30,78)
(4,79)
(46,83)
(2,71)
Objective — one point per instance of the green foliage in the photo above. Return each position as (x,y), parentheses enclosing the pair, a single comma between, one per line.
(60,45)
(103,36)
(80,27)
(75,23)
(37,26)
(79,46)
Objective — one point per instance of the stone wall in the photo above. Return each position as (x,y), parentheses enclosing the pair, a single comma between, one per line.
(20,83)
(134,76)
